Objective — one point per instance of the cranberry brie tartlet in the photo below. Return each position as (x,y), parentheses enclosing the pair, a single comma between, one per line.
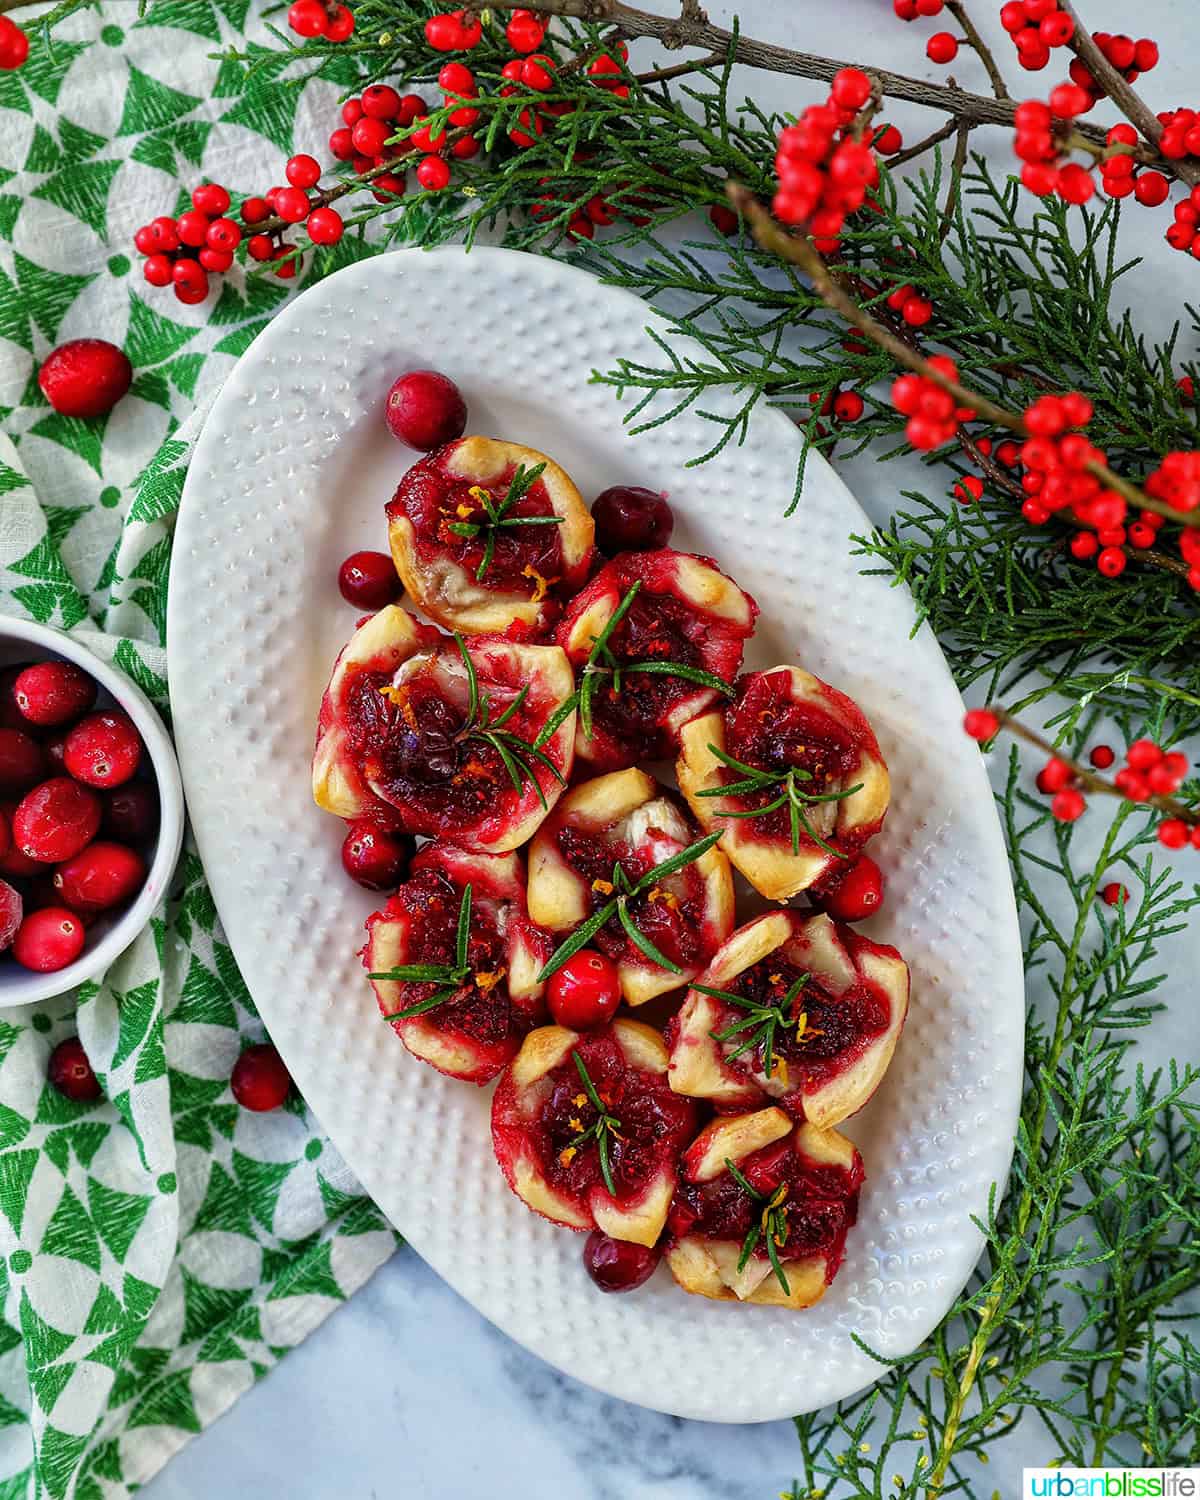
(444,732)
(795,1008)
(792,770)
(588,1132)
(598,851)
(465,992)
(762,1210)
(642,614)
(489,536)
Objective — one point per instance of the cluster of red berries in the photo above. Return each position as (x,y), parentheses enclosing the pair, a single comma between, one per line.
(292,204)
(1184,233)
(1037,28)
(314,18)
(1149,771)
(66,774)
(932,412)
(824,172)
(1131,59)
(369,122)
(14,45)
(181,252)
(942,46)
(1181,133)
(1039,143)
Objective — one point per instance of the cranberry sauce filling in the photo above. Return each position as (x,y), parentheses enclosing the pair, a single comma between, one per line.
(836,1029)
(408,742)
(654,1123)
(526,559)
(481,1009)
(673,923)
(656,627)
(819,1207)
(765,728)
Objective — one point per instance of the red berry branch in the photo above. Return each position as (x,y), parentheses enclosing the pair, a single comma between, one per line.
(1064,472)
(1149,776)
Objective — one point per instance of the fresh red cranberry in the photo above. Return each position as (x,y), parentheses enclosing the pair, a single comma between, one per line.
(22,761)
(631,519)
(425,410)
(375,857)
(585,992)
(259,1079)
(99,877)
(14,45)
(12,910)
(131,813)
(71,1073)
(618,1265)
(368,580)
(56,820)
(11,716)
(53,692)
(858,894)
(12,861)
(103,750)
(49,939)
(85,378)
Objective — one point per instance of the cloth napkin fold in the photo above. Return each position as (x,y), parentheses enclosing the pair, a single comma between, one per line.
(161,1247)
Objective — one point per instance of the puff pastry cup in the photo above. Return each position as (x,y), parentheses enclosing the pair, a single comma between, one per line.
(799,1009)
(439,529)
(396,736)
(685,611)
(804,1186)
(546,1140)
(492,1003)
(782,720)
(626,818)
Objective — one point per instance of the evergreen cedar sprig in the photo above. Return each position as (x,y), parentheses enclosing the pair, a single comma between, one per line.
(625,891)
(602,665)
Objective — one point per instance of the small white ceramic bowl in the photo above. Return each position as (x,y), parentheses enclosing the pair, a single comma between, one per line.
(23,641)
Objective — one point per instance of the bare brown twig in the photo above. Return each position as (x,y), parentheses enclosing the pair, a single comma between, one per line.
(691,28)
(981,49)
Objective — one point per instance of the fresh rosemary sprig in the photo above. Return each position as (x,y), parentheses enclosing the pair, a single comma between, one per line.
(602,665)
(771,1224)
(617,906)
(792,796)
(601,1128)
(450,978)
(497,514)
(762,1021)
(519,758)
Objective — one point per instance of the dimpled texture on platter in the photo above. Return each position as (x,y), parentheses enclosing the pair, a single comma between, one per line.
(291,474)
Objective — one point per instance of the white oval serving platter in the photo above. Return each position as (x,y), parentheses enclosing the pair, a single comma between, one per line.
(290,474)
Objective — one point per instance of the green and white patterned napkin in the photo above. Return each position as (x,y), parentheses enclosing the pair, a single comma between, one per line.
(159,1249)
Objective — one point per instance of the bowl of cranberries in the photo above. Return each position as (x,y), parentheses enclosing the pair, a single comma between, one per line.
(91,812)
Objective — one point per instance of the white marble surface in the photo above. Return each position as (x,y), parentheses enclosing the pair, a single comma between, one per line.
(407,1391)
